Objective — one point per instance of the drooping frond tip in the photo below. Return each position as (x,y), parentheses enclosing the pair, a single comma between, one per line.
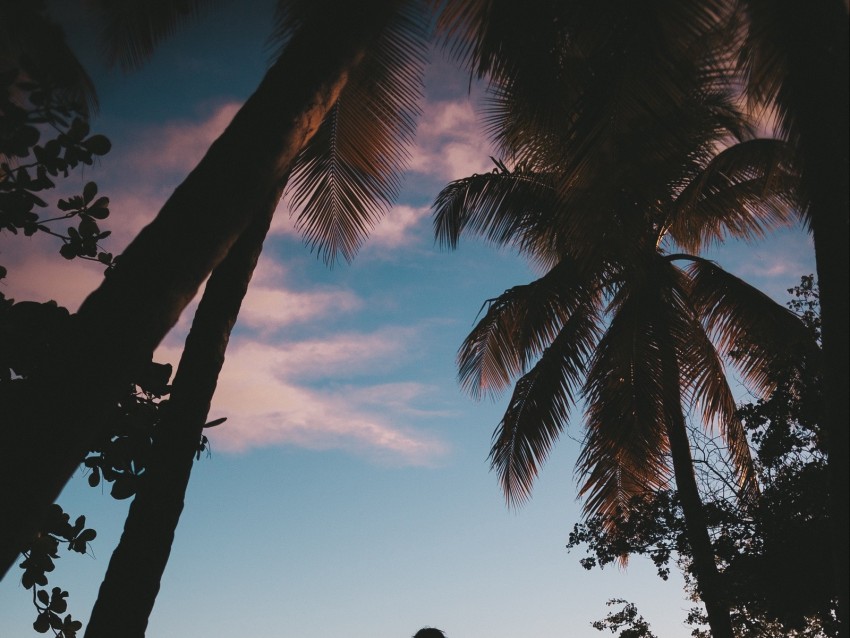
(349,174)
(132,29)
(540,406)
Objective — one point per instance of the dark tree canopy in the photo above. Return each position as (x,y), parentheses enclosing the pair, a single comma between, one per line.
(774,551)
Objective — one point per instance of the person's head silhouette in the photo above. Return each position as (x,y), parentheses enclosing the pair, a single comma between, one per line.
(429,632)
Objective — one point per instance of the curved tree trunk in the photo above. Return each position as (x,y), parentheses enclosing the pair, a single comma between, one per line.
(705,568)
(707,576)
(132,579)
(120,324)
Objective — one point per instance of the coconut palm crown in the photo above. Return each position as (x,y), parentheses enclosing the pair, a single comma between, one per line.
(615,319)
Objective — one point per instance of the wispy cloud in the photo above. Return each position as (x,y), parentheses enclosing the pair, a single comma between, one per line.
(772,265)
(177,147)
(339,355)
(328,390)
(449,142)
(273,308)
(265,392)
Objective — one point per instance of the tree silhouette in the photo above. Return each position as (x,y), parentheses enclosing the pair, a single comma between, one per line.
(343,181)
(795,58)
(775,546)
(119,324)
(605,221)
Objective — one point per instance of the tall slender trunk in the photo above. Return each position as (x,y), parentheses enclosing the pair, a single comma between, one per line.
(120,324)
(824,98)
(132,580)
(814,38)
(707,577)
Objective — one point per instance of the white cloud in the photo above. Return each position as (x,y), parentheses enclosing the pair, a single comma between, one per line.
(270,308)
(311,392)
(397,229)
(340,354)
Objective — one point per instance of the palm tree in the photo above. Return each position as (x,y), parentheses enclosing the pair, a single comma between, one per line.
(601,220)
(654,357)
(120,324)
(343,180)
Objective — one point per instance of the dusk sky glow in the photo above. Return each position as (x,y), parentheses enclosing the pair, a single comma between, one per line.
(348,493)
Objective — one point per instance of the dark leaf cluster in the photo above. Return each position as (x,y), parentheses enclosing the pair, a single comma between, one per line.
(38,562)
(654,528)
(30,333)
(122,456)
(44,136)
(627,621)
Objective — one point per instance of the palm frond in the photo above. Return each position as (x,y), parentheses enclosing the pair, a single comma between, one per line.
(349,174)
(30,38)
(507,207)
(291,15)
(611,100)
(745,191)
(795,60)
(752,330)
(490,37)
(624,451)
(540,406)
(789,49)
(518,326)
(706,388)
(604,65)
(132,29)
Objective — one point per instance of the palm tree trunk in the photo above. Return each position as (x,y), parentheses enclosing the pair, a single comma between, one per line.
(132,580)
(705,569)
(707,576)
(120,324)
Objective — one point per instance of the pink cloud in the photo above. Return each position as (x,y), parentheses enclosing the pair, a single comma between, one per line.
(261,392)
(283,223)
(341,354)
(38,273)
(450,143)
(270,304)
(179,146)
(268,308)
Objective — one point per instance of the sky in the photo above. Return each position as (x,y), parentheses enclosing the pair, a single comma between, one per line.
(348,493)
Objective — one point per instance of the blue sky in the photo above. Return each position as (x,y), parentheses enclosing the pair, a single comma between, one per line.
(348,494)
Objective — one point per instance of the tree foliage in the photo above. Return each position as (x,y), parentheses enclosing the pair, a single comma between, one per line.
(44,136)
(772,551)
(627,621)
